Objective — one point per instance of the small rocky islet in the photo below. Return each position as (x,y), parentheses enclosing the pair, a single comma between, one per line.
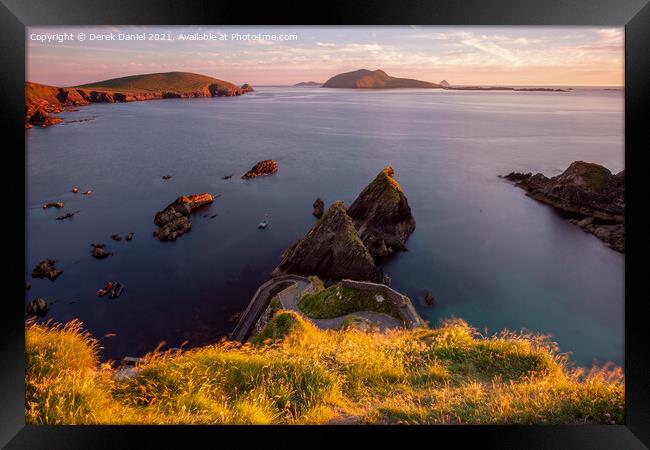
(174,220)
(46,269)
(262,168)
(589,193)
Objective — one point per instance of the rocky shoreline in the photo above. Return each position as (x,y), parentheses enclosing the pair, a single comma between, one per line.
(42,100)
(589,193)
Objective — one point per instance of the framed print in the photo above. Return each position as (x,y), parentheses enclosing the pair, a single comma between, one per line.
(266,220)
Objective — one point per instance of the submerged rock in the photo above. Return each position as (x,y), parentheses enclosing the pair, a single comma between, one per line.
(266,167)
(116,237)
(45,269)
(174,220)
(589,192)
(129,237)
(332,249)
(65,216)
(319,207)
(382,215)
(37,307)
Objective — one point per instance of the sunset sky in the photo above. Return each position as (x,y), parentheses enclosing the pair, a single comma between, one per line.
(461,55)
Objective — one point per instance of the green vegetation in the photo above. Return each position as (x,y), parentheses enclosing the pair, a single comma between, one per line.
(295,373)
(159,82)
(595,176)
(337,300)
(384,188)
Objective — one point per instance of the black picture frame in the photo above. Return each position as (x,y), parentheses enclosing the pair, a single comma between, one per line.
(15,15)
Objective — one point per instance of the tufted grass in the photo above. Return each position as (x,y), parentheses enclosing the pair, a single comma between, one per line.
(294,373)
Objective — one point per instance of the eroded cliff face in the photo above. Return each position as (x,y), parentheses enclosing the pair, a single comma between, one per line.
(332,249)
(382,215)
(589,192)
(41,101)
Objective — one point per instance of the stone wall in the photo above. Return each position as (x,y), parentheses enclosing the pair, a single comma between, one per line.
(400,302)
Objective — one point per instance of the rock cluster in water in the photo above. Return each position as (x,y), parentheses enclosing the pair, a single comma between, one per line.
(37,308)
(344,242)
(46,269)
(174,220)
(266,167)
(589,192)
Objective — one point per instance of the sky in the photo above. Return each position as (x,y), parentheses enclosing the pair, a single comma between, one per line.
(532,56)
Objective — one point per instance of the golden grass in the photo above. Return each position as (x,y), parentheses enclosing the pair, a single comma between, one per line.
(294,373)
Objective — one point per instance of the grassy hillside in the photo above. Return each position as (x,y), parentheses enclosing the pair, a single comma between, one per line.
(159,82)
(295,373)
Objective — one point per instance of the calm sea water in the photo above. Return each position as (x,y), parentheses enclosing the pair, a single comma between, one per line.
(488,253)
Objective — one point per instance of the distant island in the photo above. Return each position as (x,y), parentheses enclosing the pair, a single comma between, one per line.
(374,79)
(42,100)
(378,79)
(308,83)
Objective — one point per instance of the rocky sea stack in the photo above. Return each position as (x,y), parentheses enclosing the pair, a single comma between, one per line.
(266,167)
(332,249)
(589,193)
(344,243)
(382,215)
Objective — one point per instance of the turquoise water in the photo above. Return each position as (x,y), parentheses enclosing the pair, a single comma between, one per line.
(488,253)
